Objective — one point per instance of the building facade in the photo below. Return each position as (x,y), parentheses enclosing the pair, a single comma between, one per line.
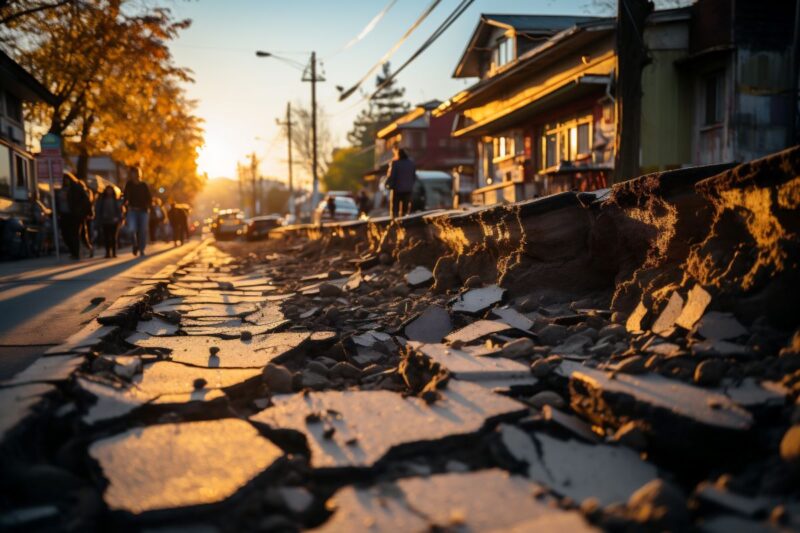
(426,137)
(543,115)
(18,189)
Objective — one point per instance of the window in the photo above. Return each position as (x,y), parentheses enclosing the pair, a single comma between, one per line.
(503,53)
(508,145)
(21,178)
(566,141)
(13,107)
(714,96)
(5,171)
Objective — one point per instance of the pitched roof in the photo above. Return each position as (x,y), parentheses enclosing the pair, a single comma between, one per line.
(21,83)
(529,25)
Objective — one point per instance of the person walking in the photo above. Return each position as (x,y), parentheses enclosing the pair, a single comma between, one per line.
(137,200)
(332,207)
(400,180)
(108,212)
(363,203)
(179,221)
(75,206)
(156,219)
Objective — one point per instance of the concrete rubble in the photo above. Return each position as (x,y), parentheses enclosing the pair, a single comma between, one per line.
(628,363)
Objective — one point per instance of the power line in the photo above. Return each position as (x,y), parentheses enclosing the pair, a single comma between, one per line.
(392,50)
(451,18)
(368,28)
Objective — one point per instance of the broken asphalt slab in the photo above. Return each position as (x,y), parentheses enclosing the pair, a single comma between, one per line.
(179,466)
(349,429)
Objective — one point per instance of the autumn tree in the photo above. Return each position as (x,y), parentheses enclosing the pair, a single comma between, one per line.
(117,91)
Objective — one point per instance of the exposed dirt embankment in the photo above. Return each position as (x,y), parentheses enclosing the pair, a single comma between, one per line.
(734,230)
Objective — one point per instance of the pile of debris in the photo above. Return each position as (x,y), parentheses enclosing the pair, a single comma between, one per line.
(581,362)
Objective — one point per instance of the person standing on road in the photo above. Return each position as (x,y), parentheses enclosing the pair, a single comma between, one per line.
(179,221)
(400,179)
(75,206)
(137,200)
(332,207)
(363,203)
(108,212)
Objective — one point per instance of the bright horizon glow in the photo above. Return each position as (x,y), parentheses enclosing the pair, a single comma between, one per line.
(239,96)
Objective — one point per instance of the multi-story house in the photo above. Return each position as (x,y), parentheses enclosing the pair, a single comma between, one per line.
(543,114)
(427,140)
(18,183)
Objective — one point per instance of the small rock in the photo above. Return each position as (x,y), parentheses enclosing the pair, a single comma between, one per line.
(199,383)
(618,318)
(278,378)
(473,282)
(630,435)
(617,331)
(367,301)
(213,350)
(660,505)
(517,348)
(540,399)
(790,445)
(345,370)
(709,372)
(246,335)
(631,365)
(541,368)
(329,290)
(400,290)
(553,334)
(332,314)
(334,274)
(318,368)
(312,380)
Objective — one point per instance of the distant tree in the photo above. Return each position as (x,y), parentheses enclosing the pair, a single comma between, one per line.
(387,106)
(277,200)
(346,171)
(302,139)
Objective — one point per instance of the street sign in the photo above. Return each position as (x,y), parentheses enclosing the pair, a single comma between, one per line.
(47,164)
(50,167)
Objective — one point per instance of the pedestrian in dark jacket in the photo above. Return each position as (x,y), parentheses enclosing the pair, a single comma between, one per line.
(108,212)
(156,219)
(179,220)
(363,203)
(75,207)
(332,207)
(400,181)
(137,200)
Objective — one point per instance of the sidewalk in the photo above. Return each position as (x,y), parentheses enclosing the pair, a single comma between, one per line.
(44,300)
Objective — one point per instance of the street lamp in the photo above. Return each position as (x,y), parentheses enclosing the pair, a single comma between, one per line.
(313,79)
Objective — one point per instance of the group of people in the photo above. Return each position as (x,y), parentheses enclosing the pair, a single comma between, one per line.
(77,210)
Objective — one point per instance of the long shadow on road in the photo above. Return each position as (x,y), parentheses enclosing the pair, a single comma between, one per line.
(53,288)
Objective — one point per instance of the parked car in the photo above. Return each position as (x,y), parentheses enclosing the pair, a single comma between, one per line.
(346,209)
(258,228)
(433,190)
(228,224)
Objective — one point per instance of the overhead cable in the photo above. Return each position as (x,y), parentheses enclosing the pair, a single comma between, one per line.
(457,12)
(370,25)
(392,50)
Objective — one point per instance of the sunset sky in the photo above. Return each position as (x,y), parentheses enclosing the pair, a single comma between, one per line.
(239,95)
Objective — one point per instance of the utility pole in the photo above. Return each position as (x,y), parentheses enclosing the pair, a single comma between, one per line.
(253,172)
(288,125)
(314,160)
